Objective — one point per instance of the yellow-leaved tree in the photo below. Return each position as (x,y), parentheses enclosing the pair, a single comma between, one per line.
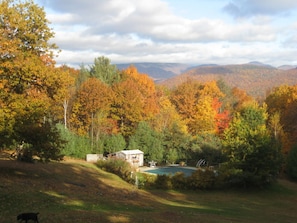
(168,116)
(194,102)
(29,80)
(282,105)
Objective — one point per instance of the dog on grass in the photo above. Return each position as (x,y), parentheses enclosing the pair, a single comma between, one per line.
(28,216)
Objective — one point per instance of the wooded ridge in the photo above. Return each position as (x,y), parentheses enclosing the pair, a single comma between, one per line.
(255,78)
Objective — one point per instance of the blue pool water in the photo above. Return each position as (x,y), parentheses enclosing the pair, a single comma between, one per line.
(171,170)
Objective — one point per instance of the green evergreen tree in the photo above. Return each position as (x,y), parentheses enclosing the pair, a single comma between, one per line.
(148,141)
(76,146)
(176,144)
(105,71)
(44,141)
(114,143)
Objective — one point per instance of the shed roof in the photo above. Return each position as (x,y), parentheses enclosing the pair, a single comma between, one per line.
(132,151)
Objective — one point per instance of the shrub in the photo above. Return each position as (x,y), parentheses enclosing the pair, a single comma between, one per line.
(163,182)
(202,179)
(238,178)
(179,181)
(119,167)
(223,176)
(146,181)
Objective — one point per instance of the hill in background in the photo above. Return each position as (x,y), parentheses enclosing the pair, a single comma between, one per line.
(158,71)
(255,78)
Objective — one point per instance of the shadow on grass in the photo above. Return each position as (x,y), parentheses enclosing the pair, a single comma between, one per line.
(80,192)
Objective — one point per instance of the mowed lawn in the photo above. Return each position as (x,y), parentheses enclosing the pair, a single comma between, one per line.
(76,191)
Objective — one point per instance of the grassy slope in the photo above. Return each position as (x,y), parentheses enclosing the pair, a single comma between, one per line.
(75,191)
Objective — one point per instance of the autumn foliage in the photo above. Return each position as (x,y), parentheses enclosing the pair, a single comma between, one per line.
(29,80)
(125,109)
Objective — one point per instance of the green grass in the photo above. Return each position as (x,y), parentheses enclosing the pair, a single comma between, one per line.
(79,192)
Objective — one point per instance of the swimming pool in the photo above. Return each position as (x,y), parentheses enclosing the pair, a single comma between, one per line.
(171,170)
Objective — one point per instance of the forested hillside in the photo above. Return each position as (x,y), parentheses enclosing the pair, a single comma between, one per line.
(256,80)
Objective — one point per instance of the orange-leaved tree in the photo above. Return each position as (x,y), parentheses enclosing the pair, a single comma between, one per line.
(91,107)
(135,100)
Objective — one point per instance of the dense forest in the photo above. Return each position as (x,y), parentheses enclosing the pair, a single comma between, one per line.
(51,111)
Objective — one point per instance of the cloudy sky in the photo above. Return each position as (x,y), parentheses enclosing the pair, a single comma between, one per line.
(177,31)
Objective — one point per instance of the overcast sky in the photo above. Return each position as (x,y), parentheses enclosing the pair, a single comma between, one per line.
(177,31)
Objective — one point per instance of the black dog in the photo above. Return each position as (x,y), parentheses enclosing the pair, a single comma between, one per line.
(28,216)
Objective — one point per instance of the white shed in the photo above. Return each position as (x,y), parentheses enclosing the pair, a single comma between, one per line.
(93,158)
(135,157)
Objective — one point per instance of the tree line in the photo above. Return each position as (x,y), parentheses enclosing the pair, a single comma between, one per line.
(54,111)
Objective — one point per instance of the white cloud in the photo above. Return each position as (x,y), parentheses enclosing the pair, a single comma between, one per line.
(142,30)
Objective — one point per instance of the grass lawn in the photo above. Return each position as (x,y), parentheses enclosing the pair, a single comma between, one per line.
(76,191)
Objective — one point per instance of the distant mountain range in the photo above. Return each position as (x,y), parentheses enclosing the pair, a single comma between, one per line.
(255,78)
(158,71)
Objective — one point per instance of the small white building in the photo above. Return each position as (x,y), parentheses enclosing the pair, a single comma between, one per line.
(93,158)
(135,157)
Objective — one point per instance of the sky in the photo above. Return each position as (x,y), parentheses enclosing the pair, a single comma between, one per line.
(174,31)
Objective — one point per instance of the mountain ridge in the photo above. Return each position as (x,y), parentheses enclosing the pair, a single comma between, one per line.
(157,71)
(256,78)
